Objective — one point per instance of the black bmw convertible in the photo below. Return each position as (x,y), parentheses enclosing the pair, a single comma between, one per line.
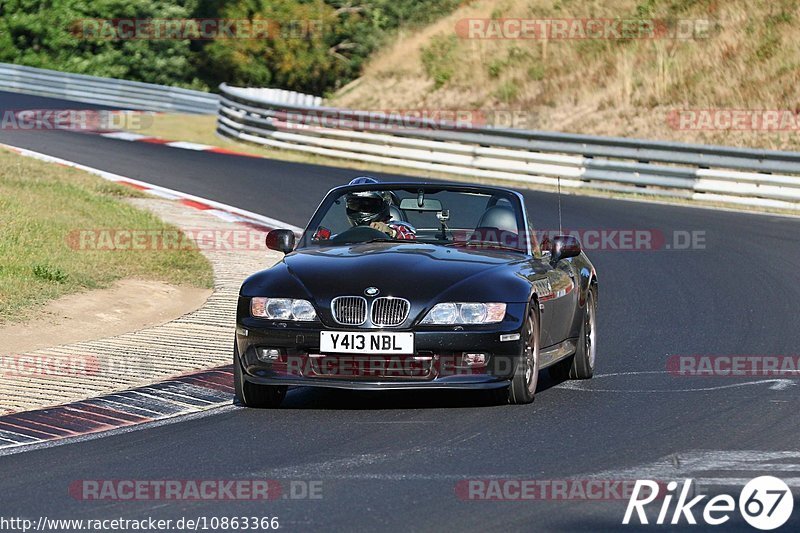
(412,286)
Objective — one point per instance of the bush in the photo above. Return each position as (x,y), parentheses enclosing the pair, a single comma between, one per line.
(437,59)
(302,56)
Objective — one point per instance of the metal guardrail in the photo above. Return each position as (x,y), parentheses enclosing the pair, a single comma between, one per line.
(105,91)
(292,121)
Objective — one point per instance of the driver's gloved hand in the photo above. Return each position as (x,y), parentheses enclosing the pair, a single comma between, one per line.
(384,227)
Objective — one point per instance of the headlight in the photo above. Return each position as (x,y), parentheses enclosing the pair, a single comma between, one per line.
(282,309)
(465,313)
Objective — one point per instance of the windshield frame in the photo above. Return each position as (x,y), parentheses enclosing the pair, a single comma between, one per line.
(515,198)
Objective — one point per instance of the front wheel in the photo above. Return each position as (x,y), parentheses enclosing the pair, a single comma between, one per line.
(251,394)
(526,376)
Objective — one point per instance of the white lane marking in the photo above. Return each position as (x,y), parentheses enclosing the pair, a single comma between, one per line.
(783,384)
(14,437)
(708,467)
(267,221)
(188,146)
(397,422)
(585,386)
(785,467)
(738,481)
(331,467)
(124,136)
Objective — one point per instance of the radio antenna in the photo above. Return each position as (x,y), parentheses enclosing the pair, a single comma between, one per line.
(560,230)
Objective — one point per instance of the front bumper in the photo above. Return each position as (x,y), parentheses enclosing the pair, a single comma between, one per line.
(437,362)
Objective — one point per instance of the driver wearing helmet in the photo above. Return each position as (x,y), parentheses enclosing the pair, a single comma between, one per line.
(373,209)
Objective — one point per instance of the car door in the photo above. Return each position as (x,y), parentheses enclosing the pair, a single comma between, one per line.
(563,300)
(556,287)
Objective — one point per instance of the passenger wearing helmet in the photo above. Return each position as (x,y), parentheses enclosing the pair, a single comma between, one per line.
(373,209)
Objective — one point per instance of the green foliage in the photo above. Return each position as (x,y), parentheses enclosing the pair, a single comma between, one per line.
(646,9)
(49,34)
(536,72)
(316,46)
(48,273)
(495,67)
(437,58)
(507,91)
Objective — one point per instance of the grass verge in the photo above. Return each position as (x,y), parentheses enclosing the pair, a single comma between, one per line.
(41,204)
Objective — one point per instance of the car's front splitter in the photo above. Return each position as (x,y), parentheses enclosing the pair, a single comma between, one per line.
(485,383)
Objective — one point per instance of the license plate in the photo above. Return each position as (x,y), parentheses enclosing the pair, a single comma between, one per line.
(366,342)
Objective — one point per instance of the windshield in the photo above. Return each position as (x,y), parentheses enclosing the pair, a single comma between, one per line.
(464,218)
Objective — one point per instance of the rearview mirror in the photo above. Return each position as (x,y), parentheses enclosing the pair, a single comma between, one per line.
(281,240)
(564,247)
(412,204)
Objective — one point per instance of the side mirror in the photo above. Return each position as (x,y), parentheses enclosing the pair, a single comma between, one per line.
(563,247)
(281,240)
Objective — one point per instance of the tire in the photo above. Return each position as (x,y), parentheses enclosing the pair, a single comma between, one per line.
(581,364)
(584,359)
(526,375)
(250,394)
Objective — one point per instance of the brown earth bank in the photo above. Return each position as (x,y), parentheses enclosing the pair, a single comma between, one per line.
(732,81)
(128,305)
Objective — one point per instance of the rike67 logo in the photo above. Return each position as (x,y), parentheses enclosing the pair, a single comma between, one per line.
(765,503)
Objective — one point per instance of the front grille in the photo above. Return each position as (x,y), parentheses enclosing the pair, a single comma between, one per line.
(389,311)
(349,310)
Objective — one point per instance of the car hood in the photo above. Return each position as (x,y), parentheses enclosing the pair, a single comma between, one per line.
(421,273)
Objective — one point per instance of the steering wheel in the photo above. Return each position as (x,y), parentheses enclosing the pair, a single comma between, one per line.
(359,234)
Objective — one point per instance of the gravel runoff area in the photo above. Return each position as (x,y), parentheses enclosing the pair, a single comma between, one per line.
(200,339)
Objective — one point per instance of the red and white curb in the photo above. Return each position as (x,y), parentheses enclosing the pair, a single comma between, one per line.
(184,395)
(185,145)
(220,210)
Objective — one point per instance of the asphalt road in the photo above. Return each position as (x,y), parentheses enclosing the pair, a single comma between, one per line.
(392,460)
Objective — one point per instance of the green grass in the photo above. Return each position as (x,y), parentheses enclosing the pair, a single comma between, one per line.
(40,205)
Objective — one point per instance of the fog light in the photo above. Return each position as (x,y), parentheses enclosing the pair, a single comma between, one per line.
(474,359)
(268,354)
